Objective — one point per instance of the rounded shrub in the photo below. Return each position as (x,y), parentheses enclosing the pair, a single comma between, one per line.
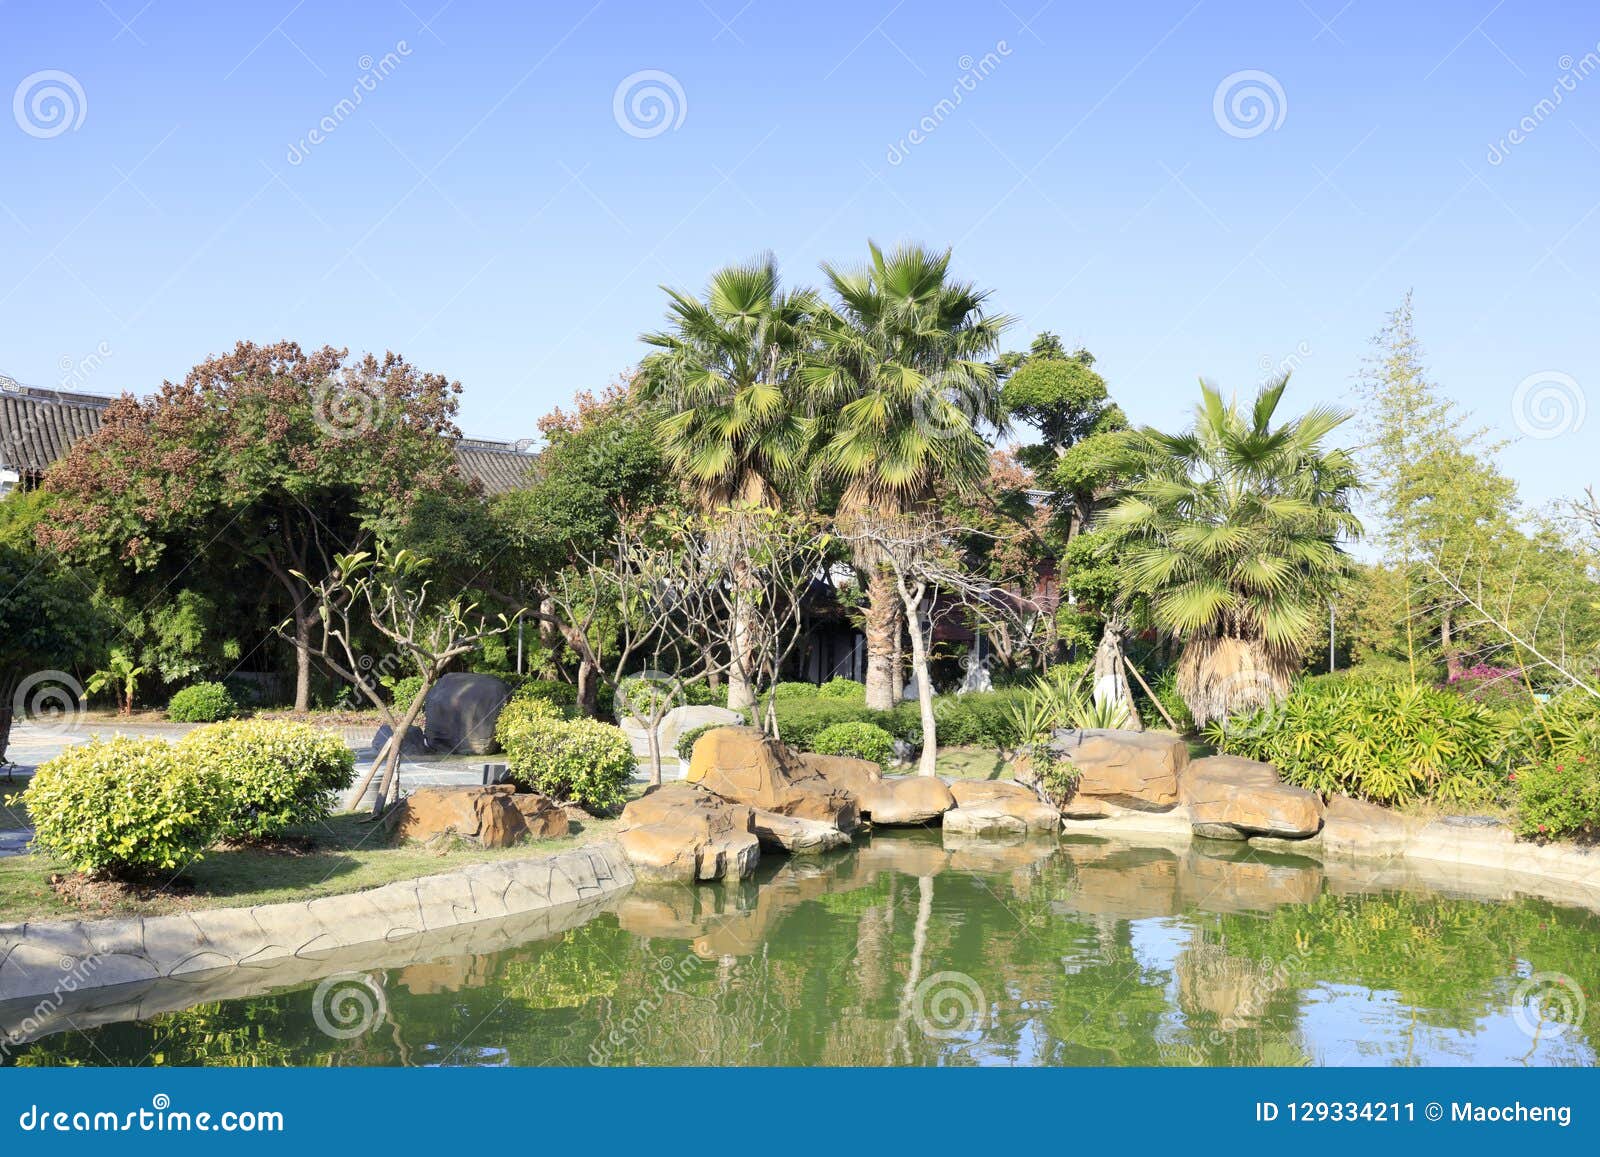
(860,740)
(202,703)
(580,760)
(842,688)
(1558,798)
(121,806)
(271,775)
(795,690)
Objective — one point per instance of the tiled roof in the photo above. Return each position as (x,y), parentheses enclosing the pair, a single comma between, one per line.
(497,466)
(38,427)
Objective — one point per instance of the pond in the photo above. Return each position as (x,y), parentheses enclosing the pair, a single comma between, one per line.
(910,950)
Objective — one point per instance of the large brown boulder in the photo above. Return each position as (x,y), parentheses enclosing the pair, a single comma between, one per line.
(743,765)
(1137,769)
(1232,798)
(488,816)
(1357,827)
(855,776)
(995,808)
(795,835)
(910,799)
(545,819)
(682,833)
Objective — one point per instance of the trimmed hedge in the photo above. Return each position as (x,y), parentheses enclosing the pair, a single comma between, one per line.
(860,740)
(270,775)
(202,703)
(980,719)
(843,689)
(123,806)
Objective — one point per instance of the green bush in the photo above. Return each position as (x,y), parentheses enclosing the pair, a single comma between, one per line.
(1558,798)
(122,806)
(550,690)
(403,690)
(794,691)
(271,775)
(843,689)
(580,760)
(1373,739)
(861,740)
(202,703)
(982,718)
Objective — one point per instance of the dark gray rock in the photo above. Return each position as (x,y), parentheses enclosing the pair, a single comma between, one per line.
(413,744)
(461,712)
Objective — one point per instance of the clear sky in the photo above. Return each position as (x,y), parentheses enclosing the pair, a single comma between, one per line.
(492,209)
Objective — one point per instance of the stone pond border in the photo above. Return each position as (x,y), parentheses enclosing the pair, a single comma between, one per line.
(1564,873)
(41,959)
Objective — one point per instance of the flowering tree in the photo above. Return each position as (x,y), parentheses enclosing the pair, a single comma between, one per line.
(270,454)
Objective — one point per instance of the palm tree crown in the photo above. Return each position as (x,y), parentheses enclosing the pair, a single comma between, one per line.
(898,380)
(725,372)
(1232,529)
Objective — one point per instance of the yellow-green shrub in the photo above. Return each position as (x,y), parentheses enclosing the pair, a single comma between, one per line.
(124,805)
(271,775)
(581,760)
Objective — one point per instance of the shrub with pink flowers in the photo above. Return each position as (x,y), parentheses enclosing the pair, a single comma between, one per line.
(1491,685)
(1558,798)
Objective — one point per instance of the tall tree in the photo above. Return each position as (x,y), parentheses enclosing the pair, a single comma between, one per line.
(1439,499)
(725,373)
(901,395)
(1232,530)
(267,453)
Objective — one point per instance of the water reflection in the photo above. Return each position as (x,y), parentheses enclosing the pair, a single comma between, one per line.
(912,949)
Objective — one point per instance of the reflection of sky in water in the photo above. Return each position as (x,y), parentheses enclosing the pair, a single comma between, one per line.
(1093,954)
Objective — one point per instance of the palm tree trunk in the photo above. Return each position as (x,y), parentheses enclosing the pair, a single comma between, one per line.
(882,628)
(1219,677)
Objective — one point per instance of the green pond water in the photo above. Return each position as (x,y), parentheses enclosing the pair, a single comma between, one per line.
(908,951)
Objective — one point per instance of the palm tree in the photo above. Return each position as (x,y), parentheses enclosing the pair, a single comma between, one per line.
(725,373)
(900,391)
(1230,533)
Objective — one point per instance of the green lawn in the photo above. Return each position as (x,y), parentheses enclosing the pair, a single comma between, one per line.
(346,855)
(973,763)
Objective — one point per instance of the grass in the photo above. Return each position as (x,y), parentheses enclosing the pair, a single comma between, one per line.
(973,763)
(346,854)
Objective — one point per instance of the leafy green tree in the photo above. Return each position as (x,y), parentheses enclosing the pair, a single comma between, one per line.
(1232,531)
(902,394)
(47,623)
(1440,502)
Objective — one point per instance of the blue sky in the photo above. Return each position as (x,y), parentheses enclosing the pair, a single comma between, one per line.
(484,210)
